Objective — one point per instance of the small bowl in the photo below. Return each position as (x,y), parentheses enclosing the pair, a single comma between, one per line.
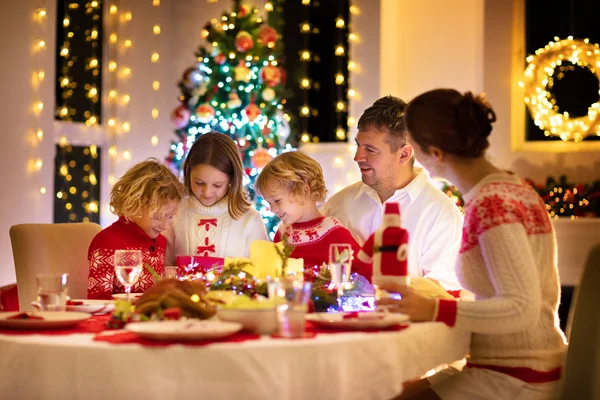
(258,320)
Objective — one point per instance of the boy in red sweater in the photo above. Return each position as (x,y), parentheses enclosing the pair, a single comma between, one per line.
(145,199)
(292,183)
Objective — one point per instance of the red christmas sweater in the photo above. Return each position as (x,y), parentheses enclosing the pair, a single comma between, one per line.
(312,240)
(122,235)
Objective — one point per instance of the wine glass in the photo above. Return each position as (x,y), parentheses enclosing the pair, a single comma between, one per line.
(128,268)
(340,260)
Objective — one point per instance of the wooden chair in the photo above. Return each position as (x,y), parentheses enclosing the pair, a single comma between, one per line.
(39,248)
(581,378)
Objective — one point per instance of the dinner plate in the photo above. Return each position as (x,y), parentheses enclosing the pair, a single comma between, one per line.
(184,329)
(51,320)
(95,307)
(362,320)
(123,296)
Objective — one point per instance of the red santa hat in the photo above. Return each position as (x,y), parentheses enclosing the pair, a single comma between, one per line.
(391,216)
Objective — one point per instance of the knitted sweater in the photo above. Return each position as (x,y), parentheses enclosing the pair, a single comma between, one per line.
(508,260)
(198,230)
(122,235)
(313,238)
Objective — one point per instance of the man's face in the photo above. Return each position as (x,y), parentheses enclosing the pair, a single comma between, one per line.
(379,167)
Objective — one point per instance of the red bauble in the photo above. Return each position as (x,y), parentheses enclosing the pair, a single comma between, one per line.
(244,41)
(252,111)
(220,58)
(181,116)
(267,35)
(271,75)
(205,113)
(244,10)
(260,158)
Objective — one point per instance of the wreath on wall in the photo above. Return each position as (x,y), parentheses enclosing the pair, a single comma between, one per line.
(539,79)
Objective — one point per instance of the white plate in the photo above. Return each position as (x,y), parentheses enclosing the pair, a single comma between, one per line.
(95,307)
(188,329)
(366,320)
(123,296)
(52,320)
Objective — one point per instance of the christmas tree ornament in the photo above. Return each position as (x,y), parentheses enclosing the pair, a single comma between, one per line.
(234,100)
(244,42)
(270,75)
(387,249)
(252,111)
(261,157)
(181,116)
(205,113)
(268,94)
(242,72)
(244,10)
(220,58)
(267,36)
(191,77)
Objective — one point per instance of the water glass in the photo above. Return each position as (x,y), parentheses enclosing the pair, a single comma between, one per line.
(128,268)
(52,291)
(170,272)
(340,261)
(292,297)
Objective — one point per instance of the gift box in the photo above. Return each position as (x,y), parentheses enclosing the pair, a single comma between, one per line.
(188,265)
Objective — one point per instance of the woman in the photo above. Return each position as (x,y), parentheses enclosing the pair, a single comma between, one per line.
(507,259)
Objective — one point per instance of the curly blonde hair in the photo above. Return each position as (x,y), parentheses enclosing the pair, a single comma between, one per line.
(295,172)
(144,190)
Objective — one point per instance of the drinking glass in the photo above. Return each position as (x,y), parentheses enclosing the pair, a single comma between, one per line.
(340,261)
(292,304)
(52,291)
(128,268)
(170,272)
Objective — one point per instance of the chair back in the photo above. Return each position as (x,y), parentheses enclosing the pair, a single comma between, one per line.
(42,248)
(581,378)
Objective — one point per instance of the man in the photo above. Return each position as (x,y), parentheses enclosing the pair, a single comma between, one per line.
(388,174)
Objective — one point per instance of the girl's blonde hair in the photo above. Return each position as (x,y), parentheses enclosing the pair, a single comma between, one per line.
(294,172)
(144,190)
(219,151)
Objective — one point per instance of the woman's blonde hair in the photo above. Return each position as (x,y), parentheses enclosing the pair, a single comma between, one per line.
(219,151)
(144,190)
(295,172)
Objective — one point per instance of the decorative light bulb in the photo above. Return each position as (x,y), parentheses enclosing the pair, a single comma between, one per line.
(154,140)
(156,85)
(154,57)
(155,113)
(156,29)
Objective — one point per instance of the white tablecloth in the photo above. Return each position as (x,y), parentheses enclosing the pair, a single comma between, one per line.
(330,366)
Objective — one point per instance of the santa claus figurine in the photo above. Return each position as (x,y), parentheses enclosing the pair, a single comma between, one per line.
(387,249)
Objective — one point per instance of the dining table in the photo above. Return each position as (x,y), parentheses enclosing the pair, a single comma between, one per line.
(92,362)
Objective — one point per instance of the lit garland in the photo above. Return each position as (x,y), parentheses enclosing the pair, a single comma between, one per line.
(154,59)
(38,76)
(66,110)
(112,25)
(305,83)
(539,77)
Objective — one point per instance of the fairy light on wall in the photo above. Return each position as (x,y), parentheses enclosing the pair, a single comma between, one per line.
(112,126)
(78,78)
(124,73)
(305,82)
(341,75)
(40,15)
(154,59)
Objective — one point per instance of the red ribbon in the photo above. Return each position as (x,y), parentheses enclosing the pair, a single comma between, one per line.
(208,221)
(210,248)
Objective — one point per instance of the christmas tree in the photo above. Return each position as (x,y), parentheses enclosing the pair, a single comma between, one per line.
(237,88)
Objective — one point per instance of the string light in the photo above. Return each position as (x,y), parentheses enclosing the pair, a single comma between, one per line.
(539,76)
(154,58)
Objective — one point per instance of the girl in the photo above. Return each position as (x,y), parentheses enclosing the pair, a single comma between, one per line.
(292,183)
(145,199)
(216,220)
(507,259)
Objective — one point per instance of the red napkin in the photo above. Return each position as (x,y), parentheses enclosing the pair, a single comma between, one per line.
(25,315)
(310,327)
(74,302)
(130,337)
(362,315)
